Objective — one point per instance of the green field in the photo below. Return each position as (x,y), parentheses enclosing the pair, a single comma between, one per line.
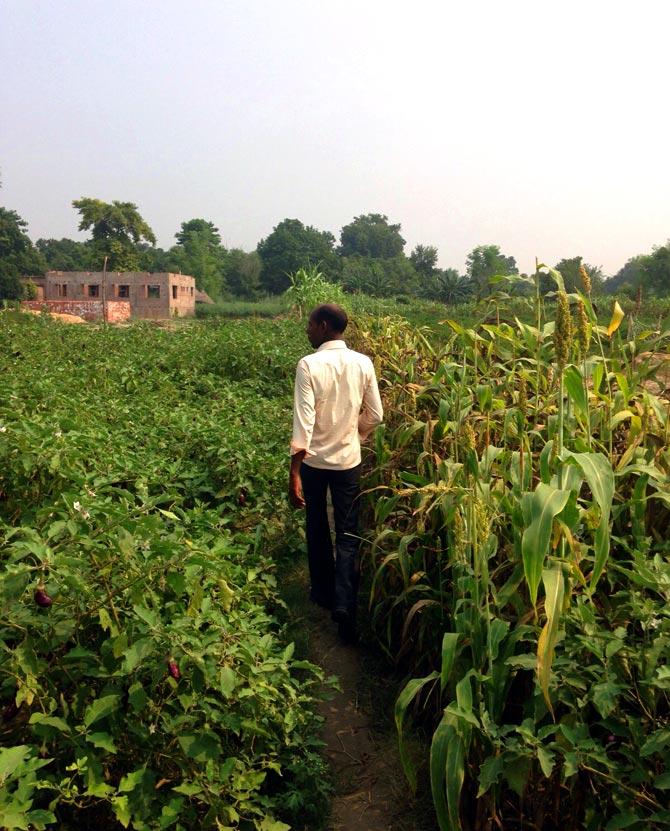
(517,568)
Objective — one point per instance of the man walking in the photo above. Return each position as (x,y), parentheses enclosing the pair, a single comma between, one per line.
(336,406)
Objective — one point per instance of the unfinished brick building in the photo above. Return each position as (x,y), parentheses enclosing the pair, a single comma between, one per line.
(151,295)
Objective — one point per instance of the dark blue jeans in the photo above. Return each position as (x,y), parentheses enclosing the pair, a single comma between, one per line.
(334,580)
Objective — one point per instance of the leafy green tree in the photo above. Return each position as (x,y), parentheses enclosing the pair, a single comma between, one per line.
(292,246)
(157,259)
(629,278)
(18,256)
(370,235)
(448,286)
(655,271)
(66,254)
(569,269)
(116,229)
(424,259)
(484,262)
(379,277)
(243,273)
(199,253)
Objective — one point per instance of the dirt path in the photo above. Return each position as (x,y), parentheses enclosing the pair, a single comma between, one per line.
(370,791)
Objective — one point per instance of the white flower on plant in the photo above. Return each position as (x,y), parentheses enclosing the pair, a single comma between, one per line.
(3,429)
(76,506)
(58,434)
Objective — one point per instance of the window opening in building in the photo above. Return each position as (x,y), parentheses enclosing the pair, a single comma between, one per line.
(153,292)
(123,291)
(61,289)
(175,289)
(94,290)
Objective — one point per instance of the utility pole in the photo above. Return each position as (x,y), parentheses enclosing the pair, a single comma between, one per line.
(104,291)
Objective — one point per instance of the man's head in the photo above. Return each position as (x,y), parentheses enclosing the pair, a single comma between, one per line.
(326,322)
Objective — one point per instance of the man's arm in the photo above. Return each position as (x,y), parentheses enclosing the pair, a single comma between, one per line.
(372,413)
(304,414)
(295,495)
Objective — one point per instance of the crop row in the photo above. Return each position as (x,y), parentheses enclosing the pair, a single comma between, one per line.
(520,565)
(144,679)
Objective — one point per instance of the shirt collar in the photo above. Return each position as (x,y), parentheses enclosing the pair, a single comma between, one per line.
(332,344)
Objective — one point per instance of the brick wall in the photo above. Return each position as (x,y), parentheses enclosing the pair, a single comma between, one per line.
(117,310)
(172,296)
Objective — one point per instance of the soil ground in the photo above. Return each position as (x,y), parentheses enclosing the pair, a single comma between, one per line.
(370,791)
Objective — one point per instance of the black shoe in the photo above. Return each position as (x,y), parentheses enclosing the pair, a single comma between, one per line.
(320,601)
(346,626)
(346,630)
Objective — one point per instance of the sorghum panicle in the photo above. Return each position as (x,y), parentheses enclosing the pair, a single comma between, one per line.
(522,401)
(583,330)
(563,329)
(469,436)
(460,540)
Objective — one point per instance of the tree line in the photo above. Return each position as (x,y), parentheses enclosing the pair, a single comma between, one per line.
(369,257)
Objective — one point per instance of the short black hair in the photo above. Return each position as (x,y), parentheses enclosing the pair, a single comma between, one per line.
(332,314)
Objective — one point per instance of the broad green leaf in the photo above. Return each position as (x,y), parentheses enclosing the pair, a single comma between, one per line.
(269,824)
(656,743)
(546,760)
(599,476)
(455,775)
(11,758)
(137,696)
(605,697)
(539,509)
(489,773)
(135,654)
(102,740)
(623,820)
(554,587)
(407,695)
(227,680)
(442,738)
(201,747)
(131,780)
(122,810)
(449,643)
(101,708)
(50,721)
(574,384)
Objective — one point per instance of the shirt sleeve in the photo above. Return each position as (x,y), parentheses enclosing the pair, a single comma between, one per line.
(372,413)
(304,411)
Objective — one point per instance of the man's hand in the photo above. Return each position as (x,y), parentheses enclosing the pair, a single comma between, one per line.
(295,496)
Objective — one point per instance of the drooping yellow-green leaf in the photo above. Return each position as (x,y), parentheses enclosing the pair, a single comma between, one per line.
(617,316)
(539,509)
(554,587)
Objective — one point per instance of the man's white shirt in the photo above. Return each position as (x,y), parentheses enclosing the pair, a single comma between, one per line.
(336,406)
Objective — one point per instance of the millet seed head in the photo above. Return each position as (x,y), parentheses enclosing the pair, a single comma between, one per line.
(563,329)
(583,330)
(460,540)
(586,279)
(522,400)
(469,439)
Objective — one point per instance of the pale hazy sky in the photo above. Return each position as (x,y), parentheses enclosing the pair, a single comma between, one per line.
(538,126)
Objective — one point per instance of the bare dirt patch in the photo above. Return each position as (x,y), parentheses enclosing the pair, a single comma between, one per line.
(371,793)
